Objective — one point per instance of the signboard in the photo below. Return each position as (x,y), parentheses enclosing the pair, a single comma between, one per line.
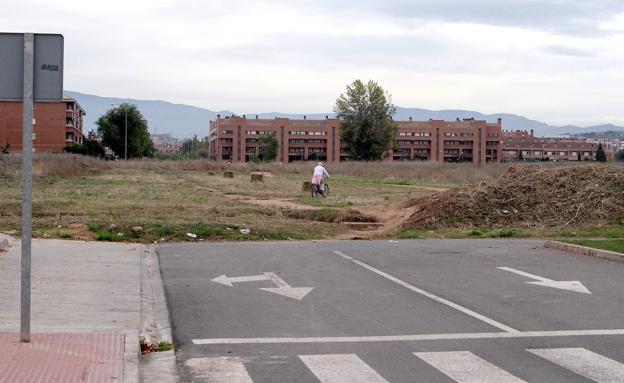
(48,67)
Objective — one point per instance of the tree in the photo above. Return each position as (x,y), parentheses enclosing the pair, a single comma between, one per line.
(194,148)
(268,148)
(520,156)
(619,155)
(601,156)
(366,112)
(111,129)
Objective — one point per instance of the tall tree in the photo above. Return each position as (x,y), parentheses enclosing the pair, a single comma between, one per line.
(366,112)
(620,155)
(268,148)
(111,128)
(601,156)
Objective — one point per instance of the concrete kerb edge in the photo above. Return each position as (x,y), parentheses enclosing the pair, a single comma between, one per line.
(132,351)
(584,250)
(155,321)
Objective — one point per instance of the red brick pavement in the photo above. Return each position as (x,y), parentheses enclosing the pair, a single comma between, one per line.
(62,358)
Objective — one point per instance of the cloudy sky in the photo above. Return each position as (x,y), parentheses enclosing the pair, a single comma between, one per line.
(559,61)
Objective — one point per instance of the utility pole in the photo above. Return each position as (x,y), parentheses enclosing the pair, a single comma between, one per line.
(27,156)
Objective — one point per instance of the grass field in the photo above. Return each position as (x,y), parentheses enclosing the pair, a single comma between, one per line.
(616,245)
(167,203)
(77,197)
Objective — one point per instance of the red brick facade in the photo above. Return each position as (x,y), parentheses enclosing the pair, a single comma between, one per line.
(56,124)
(467,140)
(522,144)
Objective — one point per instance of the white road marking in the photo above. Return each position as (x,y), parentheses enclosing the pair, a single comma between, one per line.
(228,281)
(466,367)
(585,363)
(575,286)
(282,288)
(408,338)
(341,368)
(219,370)
(436,298)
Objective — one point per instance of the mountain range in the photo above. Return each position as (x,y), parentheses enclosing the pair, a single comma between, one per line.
(184,121)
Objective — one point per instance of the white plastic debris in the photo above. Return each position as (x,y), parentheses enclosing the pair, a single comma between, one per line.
(245,231)
(191,235)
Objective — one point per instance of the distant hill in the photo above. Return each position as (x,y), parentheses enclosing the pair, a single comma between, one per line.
(178,120)
(605,135)
(184,121)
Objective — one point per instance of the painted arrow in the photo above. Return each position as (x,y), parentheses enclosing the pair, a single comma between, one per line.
(282,288)
(575,286)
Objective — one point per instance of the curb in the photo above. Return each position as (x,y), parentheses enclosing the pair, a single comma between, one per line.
(583,250)
(155,324)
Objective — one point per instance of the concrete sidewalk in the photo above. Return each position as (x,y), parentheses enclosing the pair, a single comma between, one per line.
(86,313)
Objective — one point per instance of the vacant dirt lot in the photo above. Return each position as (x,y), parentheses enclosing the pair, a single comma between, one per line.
(82,198)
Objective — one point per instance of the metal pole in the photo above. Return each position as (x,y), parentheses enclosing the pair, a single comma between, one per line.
(27,156)
(126,137)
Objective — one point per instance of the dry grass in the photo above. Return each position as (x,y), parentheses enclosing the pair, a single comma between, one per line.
(69,165)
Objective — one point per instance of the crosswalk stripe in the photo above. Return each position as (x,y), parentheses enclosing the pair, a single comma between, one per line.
(219,370)
(585,363)
(466,367)
(341,368)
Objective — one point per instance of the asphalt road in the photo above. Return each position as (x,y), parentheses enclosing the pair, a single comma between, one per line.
(490,311)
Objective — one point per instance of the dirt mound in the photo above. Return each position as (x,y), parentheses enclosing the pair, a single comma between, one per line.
(528,197)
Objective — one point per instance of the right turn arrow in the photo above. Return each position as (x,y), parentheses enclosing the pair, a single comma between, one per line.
(575,286)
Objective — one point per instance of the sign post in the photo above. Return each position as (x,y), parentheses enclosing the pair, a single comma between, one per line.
(31,69)
(27,155)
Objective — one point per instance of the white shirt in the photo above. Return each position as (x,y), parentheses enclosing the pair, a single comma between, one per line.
(320,171)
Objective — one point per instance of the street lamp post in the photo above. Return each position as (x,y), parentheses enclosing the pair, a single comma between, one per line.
(126,131)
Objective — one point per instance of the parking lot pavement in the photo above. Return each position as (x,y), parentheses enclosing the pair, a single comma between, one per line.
(439,311)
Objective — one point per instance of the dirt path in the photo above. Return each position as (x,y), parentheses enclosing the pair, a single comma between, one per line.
(275,202)
(390,218)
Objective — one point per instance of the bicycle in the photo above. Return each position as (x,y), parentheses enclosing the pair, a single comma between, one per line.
(316,189)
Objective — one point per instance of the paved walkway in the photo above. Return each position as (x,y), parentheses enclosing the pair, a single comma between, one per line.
(85,313)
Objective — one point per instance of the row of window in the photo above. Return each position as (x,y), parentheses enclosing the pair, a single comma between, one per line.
(458,134)
(260,132)
(416,134)
(415,142)
(546,153)
(306,133)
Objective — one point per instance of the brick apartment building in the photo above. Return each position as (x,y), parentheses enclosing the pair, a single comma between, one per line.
(236,138)
(56,124)
(552,149)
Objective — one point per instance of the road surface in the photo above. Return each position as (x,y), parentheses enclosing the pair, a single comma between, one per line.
(490,311)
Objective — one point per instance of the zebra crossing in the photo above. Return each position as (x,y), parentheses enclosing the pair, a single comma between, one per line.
(459,366)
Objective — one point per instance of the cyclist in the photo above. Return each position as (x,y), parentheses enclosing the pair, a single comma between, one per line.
(320,173)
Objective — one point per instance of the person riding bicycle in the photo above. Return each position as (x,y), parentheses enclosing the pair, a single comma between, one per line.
(320,173)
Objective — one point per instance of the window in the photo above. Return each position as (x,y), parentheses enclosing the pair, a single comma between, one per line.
(403,142)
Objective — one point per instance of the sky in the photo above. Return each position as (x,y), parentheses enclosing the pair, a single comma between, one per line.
(558,61)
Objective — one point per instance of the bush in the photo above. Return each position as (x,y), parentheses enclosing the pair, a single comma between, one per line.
(88,148)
